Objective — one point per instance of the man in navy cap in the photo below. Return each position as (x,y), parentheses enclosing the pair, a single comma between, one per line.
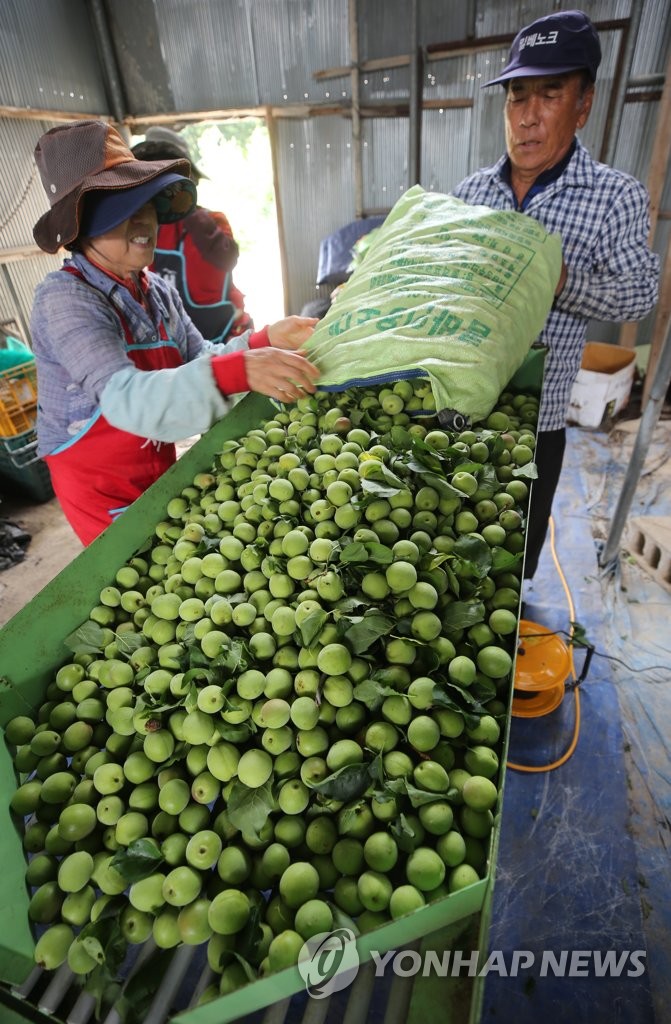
(609,272)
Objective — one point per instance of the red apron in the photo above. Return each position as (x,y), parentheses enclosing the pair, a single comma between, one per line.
(99,473)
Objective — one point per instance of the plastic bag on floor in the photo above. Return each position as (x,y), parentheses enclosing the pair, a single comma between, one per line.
(13,543)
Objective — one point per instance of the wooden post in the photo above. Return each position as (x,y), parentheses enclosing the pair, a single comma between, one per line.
(658,165)
(662,318)
(661,151)
(414,101)
(356,108)
(272,137)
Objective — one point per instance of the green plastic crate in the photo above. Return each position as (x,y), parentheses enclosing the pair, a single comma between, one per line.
(31,650)
(20,466)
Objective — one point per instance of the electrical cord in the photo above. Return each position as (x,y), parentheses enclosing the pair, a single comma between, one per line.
(582,644)
(576,690)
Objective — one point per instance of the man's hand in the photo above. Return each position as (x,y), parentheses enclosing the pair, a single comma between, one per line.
(285,376)
(292,332)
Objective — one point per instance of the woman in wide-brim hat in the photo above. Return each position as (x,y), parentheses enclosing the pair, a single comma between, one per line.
(122,371)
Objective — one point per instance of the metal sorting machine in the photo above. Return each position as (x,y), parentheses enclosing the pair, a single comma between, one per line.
(31,650)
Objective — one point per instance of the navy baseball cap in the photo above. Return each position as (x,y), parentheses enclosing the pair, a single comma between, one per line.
(553,45)
(173,195)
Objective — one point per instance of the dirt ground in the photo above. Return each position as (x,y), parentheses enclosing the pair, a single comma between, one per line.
(53,545)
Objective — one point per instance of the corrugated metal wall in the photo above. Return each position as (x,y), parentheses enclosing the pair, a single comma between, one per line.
(48,58)
(314,166)
(222,55)
(22,202)
(22,196)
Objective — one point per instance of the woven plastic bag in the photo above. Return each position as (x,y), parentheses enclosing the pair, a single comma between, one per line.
(447,290)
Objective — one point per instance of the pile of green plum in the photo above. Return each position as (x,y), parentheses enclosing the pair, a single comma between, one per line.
(286,710)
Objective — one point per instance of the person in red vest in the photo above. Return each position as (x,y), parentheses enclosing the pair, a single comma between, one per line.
(122,371)
(198,253)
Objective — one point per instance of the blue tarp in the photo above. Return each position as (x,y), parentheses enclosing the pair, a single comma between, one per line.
(572,873)
(335,251)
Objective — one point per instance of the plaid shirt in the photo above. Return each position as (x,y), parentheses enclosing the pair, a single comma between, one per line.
(602,216)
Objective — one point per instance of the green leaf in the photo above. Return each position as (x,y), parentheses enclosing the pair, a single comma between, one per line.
(462,614)
(247,941)
(380,489)
(378,475)
(348,817)
(93,947)
(234,658)
(275,563)
(387,676)
(376,768)
(372,693)
(403,833)
(312,625)
(198,672)
(380,797)
(529,471)
(418,797)
(102,982)
(367,551)
(466,695)
(468,466)
(488,477)
(349,604)
(129,642)
(483,690)
(189,635)
(238,734)
(246,966)
(354,552)
(138,994)
(578,635)
(400,438)
(504,561)
(442,699)
(191,698)
(197,658)
(474,553)
(205,545)
(112,909)
(105,988)
(364,631)
(427,661)
(343,920)
(150,707)
(139,859)
(89,638)
(453,580)
(424,458)
(348,783)
(379,553)
(248,809)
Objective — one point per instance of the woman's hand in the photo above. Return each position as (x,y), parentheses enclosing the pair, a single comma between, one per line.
(285,376)
(292,332)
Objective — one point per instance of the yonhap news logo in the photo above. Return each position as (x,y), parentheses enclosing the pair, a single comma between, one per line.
(329,962)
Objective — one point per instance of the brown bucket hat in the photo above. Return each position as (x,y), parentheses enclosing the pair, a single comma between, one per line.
(84,156)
